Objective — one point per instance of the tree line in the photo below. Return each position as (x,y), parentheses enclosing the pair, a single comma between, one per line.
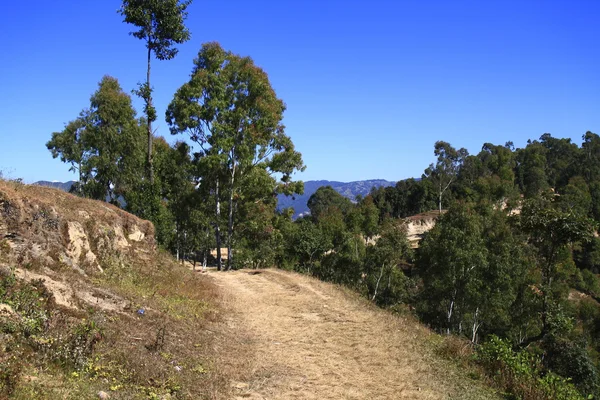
(216,187)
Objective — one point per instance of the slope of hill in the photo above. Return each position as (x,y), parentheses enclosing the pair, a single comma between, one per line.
(347,189)
(308,339)
(89,308)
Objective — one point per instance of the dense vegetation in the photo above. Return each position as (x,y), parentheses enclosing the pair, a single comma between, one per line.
(510,266)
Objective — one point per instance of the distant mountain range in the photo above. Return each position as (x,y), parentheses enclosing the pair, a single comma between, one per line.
(347,189)
(66,186)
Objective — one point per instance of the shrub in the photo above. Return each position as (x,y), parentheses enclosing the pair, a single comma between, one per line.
(571,359)
(520,373)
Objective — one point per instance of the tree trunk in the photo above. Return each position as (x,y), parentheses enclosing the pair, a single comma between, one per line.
(450,311)
(230,219)
(148,107)
(217,229)
(377,285)
(475,326)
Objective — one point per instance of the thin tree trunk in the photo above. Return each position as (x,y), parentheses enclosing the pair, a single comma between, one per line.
(230,219)
(377,285)
(217,229)
(148,107)
(475,326)
(79,185)
(450,311)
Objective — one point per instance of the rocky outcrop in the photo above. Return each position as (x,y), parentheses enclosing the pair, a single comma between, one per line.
(418,225)
(64,241)
(47,227)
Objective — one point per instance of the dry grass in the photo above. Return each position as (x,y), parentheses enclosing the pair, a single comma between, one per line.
(313,340)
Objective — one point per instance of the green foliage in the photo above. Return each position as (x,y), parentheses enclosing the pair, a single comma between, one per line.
(385,282)
(327,200)
(160,23)
(521,374)
(408,197)
(230,110)
(531,172)
(570,358)
(309,243)
(475,276)
(20,329)
(74,351)
(444,172)
(103,144)
(590,283)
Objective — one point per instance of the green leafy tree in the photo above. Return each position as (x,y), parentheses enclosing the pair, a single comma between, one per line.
(370,217)
(472,269)
(451,260)
(68,144)
(230,110)
(551,231)
(531,169)
(325,200)
(103,143)
(386,283)
(310,243)
(161,26)
(562,159)
(445,171)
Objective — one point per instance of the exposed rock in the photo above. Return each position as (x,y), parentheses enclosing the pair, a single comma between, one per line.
(136,235)
(102,395)
(6,309)
(418,225)
(5,271)
(120,242)
(79,245)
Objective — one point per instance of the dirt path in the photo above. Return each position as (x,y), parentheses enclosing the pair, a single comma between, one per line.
(310,340)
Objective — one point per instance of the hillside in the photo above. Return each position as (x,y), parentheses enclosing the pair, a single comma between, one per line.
(347,189)
(89,308)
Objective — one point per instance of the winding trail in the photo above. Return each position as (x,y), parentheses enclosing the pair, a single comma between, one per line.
(305,339)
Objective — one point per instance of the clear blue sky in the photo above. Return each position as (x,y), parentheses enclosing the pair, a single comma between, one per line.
(370,85)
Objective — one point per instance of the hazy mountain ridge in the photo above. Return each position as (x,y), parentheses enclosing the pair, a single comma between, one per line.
(347,189)
(66,186)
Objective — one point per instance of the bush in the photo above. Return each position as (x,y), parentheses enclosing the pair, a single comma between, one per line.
(590,283)
(521,373)
(571,359)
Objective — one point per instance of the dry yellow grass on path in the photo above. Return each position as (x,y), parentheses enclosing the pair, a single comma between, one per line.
(300,338)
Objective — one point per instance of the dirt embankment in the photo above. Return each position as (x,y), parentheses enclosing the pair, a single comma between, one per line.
(299,338)
(51,235)
(418,225)
(90,308)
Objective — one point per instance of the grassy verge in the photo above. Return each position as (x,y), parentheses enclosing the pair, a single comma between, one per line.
(157,347)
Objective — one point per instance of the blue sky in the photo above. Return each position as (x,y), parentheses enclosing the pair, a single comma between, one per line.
(369,85)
